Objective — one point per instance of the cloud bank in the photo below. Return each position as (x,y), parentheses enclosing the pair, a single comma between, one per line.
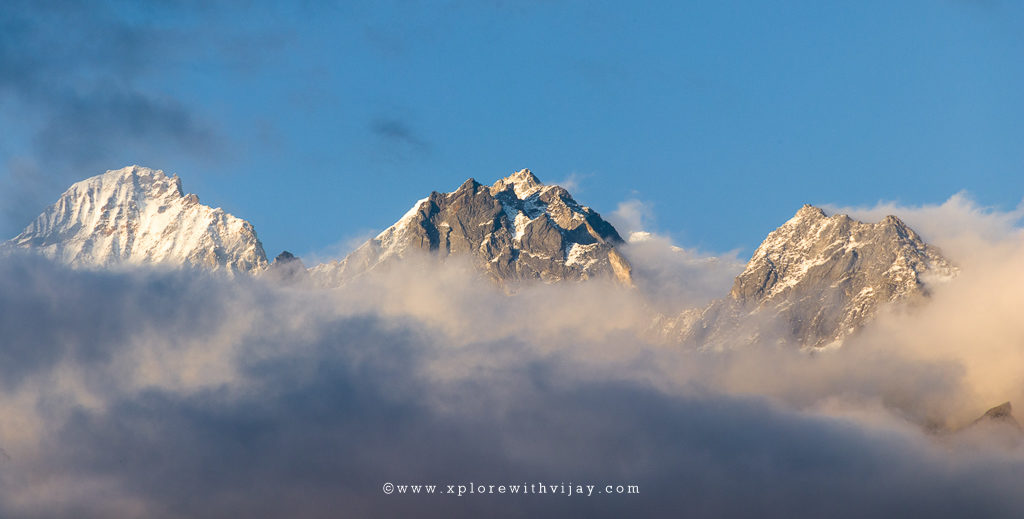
(175,394)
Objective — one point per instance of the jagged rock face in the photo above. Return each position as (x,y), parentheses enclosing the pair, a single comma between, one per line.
(137,215)
(821,278)
(516,229)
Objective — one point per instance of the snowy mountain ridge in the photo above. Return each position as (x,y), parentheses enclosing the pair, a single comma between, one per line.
(137,215)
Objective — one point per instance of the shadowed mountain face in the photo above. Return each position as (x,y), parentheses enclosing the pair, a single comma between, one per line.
(1001,414)
(517,229)
(137,215)
(997,426)
(818,279)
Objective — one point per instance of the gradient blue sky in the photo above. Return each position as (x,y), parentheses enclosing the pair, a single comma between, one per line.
(323,122)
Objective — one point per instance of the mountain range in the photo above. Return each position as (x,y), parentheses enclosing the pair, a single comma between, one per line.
(814,281)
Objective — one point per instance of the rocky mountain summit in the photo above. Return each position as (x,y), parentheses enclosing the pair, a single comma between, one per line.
(516,229)
(137,215)
(818,279)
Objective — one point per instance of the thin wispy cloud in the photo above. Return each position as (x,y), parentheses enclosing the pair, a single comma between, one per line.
(82,96)
(398,136)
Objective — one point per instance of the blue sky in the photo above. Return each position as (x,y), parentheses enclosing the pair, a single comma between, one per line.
(323,122)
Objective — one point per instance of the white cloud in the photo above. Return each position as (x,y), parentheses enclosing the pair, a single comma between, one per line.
(177,394)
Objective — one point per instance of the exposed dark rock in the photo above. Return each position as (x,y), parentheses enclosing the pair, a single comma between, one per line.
(517,229)
(287,268)
(1001,414)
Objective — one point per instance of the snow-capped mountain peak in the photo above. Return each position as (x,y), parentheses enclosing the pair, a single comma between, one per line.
(812,246)
(822,277)
(138,215)
(517,228)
